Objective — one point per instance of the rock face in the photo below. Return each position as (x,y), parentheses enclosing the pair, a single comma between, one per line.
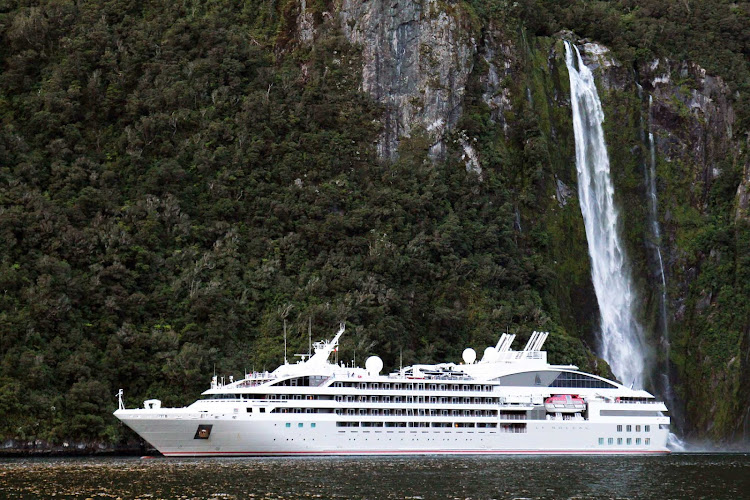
(743,196)
(417,57)
(693,119)
(498,54)
(426,62)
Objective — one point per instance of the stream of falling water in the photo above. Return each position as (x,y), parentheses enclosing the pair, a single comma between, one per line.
(656,233)
(621,336)
(654,216)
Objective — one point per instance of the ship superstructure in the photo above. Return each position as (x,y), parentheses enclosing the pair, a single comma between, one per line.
(506,402)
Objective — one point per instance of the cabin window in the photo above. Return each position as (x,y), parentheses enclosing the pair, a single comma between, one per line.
(288,424)
(630,441)
(637,428)
(619,428)
(637,440)
(647,428)
(610,440)
(619,440)
(648,441)
(629,428)
(300,424)
(601,441)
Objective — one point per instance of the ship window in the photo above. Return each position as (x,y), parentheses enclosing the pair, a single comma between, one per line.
(629,428)
(637,428)
(648,441)
(312,425)
(288,424)
(300,424)
(262,410)
(601,440)
(647,428)
(619,428)
(663,426)
(554,378)
(629,413)
(610,441)
(619,440)
(630,441)
(637,440)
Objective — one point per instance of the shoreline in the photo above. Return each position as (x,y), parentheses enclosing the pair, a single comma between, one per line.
(14,448)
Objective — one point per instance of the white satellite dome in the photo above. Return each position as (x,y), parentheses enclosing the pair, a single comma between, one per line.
(489,355)
(469,355)
(373,365)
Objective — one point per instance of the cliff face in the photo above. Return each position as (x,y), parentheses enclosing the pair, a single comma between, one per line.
(418,62)
(198,174)
(436,69)
(417,57)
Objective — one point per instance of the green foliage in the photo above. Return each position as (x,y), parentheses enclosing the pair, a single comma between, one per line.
(179,180)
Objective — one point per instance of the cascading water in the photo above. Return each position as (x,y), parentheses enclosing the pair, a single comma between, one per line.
(654,216)
(621,336)
(656,234)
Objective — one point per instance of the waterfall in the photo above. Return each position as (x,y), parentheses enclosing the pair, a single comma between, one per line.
(620,334)
(656,234)
(675,443)
(654,216)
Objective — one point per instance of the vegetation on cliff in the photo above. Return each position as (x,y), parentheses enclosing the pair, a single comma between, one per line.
(176,180)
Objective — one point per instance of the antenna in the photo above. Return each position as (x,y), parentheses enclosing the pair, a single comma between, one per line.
(400,358)
(285,361)
(309,336)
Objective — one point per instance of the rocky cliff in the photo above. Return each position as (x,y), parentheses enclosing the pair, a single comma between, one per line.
(429,63)
(179,180)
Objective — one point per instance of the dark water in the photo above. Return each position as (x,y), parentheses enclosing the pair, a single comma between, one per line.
(676,476)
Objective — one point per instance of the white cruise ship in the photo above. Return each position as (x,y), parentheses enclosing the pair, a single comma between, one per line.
(509,402)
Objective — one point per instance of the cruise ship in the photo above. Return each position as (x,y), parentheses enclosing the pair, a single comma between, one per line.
(507,402)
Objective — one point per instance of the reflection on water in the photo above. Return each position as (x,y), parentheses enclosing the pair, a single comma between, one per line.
(676,476)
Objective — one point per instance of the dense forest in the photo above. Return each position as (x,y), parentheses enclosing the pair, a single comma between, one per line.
(177,180)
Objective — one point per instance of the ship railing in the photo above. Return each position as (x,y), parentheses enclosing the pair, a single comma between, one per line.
(516,355)
(638,401)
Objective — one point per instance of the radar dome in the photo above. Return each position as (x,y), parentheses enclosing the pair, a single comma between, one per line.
(373,365)
(489,354)
(469,355)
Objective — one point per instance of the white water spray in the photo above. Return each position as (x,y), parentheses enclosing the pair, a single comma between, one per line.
(621,336)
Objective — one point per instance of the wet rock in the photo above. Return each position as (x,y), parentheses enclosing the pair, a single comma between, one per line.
(562,193)
(417,57)
(40,447)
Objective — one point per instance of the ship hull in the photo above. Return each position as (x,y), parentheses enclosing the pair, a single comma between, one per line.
(175,433)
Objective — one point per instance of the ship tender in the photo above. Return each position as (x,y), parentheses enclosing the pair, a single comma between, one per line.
(507,402)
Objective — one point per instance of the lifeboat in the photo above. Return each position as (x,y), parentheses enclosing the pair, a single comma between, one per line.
(564,403)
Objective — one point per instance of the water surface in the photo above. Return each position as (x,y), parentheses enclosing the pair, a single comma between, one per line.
(676,476)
